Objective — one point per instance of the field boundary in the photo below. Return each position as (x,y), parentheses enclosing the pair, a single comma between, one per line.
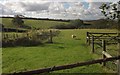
(98,37)
(103,39)
(63,67)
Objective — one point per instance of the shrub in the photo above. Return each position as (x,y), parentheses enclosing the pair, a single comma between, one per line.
(60,26)
(31,38)
(73,25)
(68,26)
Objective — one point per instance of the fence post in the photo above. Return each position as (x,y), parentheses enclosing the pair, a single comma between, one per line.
(7,36)
(104,49)
(118,61)
(51,37)
(87,38)
(92,44)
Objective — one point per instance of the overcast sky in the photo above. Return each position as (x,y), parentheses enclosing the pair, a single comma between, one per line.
(56,9)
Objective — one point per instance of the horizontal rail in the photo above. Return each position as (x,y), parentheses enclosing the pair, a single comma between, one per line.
(69,66)
(103,37)
(101,33)
(99,42)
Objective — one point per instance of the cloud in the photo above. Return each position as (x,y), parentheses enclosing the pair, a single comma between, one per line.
(54,9)
(59,0)
(27,6)
(5,11)
(35,6)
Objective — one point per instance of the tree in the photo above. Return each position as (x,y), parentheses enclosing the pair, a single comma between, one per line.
(112,11)
(77,23)
(17,20)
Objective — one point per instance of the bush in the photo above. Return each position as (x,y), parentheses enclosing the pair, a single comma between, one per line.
(23,41)
(60,26)
(63,26)
(74,24)
(31,38)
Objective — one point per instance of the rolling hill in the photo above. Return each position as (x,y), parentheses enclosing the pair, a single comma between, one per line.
(43,24)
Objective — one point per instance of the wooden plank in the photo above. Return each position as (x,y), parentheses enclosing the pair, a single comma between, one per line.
(104,49)
(92,45)
(104,37)
(69,66)
(101,33)
(51,37)
(87,38)
(106,54)
(118,62)
(98,38)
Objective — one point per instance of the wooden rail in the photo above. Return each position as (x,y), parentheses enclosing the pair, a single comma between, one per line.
(63,67)
(101,33)
(102,39)
(99,36)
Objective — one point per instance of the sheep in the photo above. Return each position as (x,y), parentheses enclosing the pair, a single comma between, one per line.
(73,36)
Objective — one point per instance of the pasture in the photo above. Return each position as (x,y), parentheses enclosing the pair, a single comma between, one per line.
(64,50)
(43,24)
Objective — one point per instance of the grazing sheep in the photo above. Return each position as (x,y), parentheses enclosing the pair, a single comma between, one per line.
(73,36)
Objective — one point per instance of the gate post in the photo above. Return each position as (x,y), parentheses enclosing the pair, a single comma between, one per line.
(104,49)
(51,37)
(92,44)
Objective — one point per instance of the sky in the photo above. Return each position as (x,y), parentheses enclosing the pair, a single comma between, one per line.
(54,9)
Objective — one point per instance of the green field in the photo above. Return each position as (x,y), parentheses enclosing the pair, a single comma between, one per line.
(43,24)
(64,50)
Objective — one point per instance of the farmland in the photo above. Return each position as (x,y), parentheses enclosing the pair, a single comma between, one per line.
(60,37)
(64,50)
(43,24)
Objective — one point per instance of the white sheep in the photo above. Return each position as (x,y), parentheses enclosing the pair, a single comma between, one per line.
(73,36)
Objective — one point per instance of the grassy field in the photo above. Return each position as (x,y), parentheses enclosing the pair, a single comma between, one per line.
(64,50)
(32,23)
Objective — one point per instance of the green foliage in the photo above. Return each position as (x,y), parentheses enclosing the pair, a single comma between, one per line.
(74,24)
(17,20)
(60,26)
(77,23)
(111,11)
(103,24)
(31,38)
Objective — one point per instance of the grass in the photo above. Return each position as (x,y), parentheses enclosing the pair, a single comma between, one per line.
(43,24)
(7,23)
(64,50)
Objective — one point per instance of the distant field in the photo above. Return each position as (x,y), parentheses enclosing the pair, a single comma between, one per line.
(33,23)
(65,50)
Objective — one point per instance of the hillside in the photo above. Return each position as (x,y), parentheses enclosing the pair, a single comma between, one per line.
(47,23)
(32,23)
(102,24)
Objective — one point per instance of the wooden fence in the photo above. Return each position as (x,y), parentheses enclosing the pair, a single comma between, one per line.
(63,67)
(111,38)
(97,38)
(103,39)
